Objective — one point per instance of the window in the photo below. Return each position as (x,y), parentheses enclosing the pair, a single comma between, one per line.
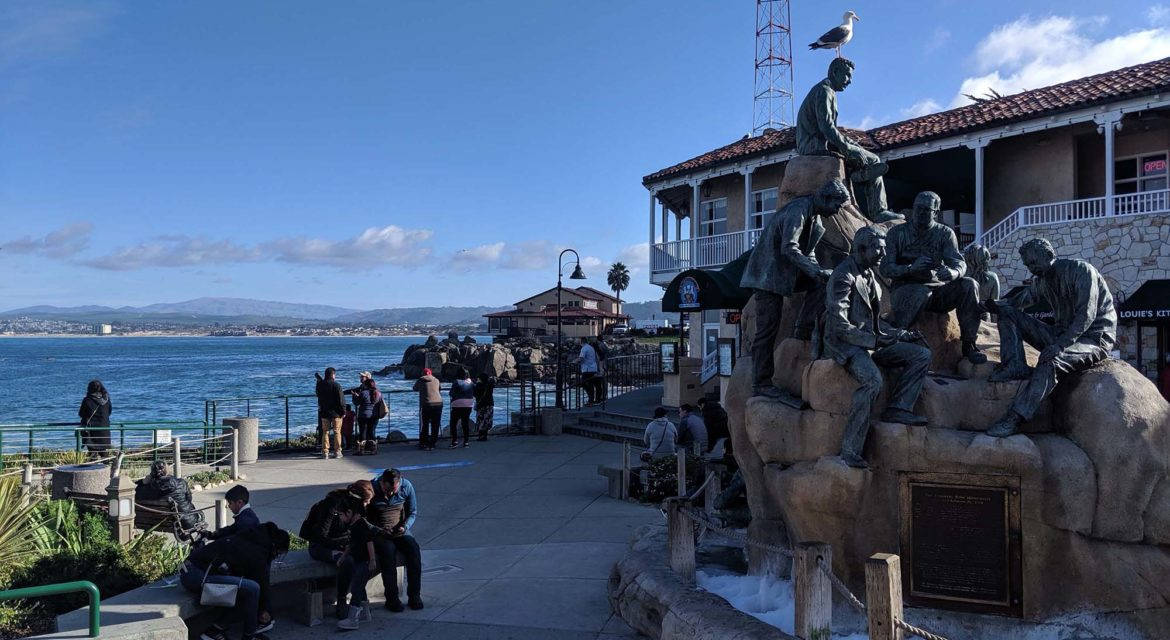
(763,206)
(713,217)
(1141,173)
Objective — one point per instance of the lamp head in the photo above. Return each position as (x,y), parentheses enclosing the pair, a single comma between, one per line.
(578,274)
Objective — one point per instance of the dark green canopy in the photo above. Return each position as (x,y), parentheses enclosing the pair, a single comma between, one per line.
(703,289)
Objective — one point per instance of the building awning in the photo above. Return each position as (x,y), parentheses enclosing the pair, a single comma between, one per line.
(703,289)
(1150,302)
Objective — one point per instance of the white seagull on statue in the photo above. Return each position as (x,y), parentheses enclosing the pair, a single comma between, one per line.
(837,37)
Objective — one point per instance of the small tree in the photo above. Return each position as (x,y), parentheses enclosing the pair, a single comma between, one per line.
(619,280)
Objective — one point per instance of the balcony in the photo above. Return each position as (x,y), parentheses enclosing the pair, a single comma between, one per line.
(667,259)
(1073,211)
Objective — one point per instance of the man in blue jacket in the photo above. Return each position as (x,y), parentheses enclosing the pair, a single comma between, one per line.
(392,488)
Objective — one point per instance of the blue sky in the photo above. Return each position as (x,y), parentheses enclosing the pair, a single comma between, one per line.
(388,154)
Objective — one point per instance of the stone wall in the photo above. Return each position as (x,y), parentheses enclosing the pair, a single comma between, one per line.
(1127,250)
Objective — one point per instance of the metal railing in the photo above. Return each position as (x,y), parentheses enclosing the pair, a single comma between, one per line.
(705,251)
(624,374)
(89,588)
(35,436)
(1072,211)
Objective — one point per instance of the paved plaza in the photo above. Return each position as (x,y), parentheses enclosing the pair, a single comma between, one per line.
(517,533)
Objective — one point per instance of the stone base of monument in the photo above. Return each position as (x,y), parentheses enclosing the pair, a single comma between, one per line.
(1071,516)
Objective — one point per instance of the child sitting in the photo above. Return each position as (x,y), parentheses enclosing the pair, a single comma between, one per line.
(347,422)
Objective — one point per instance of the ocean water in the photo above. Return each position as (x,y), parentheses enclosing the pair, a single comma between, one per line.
(165,378)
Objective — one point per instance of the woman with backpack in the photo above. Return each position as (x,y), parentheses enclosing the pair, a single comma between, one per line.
(371,407)
(95,416)
(485,404)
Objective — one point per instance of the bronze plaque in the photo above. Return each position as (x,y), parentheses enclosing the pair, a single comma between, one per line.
(961,542)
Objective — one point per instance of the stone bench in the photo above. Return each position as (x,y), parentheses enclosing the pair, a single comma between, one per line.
(158,611)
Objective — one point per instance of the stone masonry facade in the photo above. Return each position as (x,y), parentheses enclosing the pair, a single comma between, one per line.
(1127,250)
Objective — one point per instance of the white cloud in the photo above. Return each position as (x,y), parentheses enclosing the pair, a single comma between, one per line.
(866,123)
(528,256)
(484,254)
(1031,53)
(61,243)
(591,263)
(937,40)
(1158,14)
(34,30)
(921,108)
(374,246)
(636,257)
(174,251)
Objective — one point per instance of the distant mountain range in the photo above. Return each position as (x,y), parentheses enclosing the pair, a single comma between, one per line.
(248,311)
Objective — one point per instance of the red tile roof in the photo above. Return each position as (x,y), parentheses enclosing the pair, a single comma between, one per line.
(1130,82)
(566,312)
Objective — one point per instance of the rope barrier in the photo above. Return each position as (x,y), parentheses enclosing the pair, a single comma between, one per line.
(853,600)
(703,520)
(922,633)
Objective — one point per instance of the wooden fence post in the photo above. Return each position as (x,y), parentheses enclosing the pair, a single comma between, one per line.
(714,488)
(681,539)
(883,596)
(177,455)
(625,490)
(814,592)
(681,470)
(220,513)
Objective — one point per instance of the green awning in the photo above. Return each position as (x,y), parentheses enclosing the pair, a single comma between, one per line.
(703,289)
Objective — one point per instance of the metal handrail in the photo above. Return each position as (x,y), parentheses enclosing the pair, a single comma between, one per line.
(95,598)
(131,423)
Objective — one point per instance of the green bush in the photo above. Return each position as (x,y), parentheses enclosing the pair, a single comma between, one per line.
(305,442)
(663,481)
(208,477)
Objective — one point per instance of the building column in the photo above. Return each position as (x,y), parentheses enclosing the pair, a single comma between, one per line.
(1108,123)
(653,197)
(665,229)
(747,203)
(694,203)
(978,146)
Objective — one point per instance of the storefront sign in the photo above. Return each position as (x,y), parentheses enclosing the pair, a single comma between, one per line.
(733,317)
(1153,166)
(726,356)
(688,294)
(1145,314)
(667,352)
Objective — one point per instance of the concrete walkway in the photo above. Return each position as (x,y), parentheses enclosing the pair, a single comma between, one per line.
(518,536)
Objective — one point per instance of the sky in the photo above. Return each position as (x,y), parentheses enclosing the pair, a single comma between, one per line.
(418,153)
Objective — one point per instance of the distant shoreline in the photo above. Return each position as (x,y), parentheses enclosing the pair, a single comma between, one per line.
(197,335)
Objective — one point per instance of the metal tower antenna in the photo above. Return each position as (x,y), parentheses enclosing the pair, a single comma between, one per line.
(773,89)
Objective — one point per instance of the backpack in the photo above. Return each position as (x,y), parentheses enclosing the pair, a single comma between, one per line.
(381,410)
(317,514)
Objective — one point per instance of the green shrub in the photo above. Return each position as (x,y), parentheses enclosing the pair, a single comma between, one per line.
(304,442)
(208,477)
(18,519)
(296,543)
(663,481)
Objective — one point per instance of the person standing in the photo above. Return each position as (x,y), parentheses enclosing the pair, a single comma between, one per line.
(95,417)
(485,405)
(691,428)
(331,409)
(587,359)
(462,401)
(715,420)
(430,408)
(602,352)
(367,398)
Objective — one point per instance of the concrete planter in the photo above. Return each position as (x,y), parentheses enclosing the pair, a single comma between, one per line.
(249,430)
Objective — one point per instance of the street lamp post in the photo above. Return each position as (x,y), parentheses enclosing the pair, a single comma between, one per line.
(576,275)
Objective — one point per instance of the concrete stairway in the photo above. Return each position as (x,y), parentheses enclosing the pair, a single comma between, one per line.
(610,426)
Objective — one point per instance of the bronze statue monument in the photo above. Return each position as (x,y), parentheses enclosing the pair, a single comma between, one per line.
(1084,329)
(978,260)
(856,338)
(817,135)
(782,263)
(927,271)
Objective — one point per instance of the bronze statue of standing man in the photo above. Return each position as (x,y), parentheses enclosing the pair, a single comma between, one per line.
(817,135)
(782,263)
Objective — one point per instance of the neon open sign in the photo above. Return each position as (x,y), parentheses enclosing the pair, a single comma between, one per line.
(1154,166)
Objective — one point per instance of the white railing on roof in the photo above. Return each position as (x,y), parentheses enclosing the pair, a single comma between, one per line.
(1073,211)
(704,252)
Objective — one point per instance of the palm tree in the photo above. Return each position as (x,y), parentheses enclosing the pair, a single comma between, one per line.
(619,280)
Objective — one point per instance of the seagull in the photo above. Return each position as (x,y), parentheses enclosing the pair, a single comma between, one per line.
(837,37)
